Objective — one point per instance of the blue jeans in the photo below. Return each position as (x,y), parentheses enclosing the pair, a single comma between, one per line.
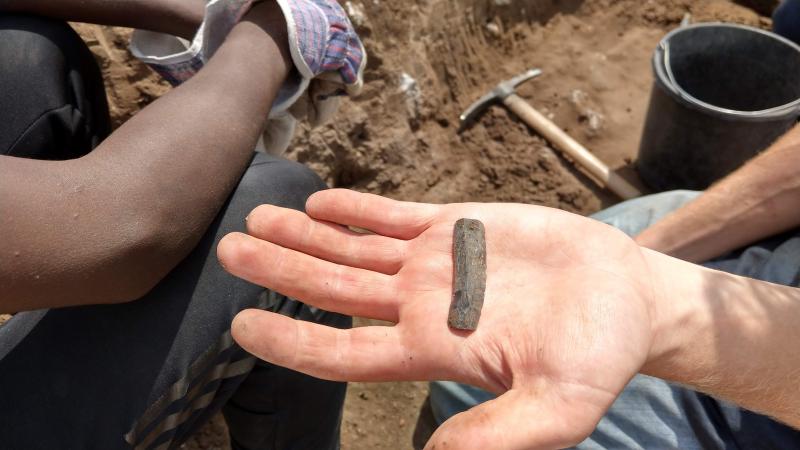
(651,413)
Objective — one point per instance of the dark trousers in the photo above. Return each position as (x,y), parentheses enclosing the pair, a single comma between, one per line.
(786,20)
(148,373)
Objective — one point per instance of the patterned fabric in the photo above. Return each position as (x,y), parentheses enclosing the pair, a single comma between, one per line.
(345,51)
(322,39)
(328,55)
(151,48)
(177,73)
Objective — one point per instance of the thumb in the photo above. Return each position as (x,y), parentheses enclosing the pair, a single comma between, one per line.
(517,420)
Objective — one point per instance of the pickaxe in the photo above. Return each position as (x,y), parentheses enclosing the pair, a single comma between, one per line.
(504,92)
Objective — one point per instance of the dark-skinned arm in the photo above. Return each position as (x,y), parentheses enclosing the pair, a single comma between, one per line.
(177,17)
(107,227)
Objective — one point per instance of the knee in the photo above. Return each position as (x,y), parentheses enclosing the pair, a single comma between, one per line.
(57,106)
(30,42)
(277,181)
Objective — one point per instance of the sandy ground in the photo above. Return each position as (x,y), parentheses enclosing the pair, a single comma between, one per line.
(429,59)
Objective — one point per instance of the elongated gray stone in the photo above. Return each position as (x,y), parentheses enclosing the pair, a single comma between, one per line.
(469,274)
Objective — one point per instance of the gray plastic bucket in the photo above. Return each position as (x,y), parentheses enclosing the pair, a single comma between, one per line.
(722,93)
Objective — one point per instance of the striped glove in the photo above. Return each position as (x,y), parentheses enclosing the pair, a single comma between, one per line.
(328,56)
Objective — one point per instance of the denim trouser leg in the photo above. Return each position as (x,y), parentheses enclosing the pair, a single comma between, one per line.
(633,216)
(651,413)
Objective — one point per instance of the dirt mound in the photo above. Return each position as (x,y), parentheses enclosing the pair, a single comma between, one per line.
(429,59)
(130,85)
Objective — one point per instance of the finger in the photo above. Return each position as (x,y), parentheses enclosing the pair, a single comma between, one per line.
(403,220)
(516,420)
(360,354)
(329,286)
(295,230)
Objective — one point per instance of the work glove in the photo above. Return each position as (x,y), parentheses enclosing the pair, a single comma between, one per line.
(328,56)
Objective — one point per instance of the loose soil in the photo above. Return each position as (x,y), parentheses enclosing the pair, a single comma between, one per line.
(429,59)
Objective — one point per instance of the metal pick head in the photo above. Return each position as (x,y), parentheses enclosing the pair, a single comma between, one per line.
(519,79)
(500,92)
(475,109)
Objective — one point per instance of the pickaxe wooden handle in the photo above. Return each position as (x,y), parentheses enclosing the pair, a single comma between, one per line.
(571,147)
(505,92)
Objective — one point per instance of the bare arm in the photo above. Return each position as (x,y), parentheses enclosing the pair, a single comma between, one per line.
(107,227)
(729,336)
(759,200)
(177,17)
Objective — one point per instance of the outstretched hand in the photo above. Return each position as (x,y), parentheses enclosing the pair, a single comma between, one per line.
(566,320)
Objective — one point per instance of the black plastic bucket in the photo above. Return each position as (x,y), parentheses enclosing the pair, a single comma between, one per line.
(722,93)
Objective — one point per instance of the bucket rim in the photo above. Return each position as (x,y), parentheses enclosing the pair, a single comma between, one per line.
(666,79)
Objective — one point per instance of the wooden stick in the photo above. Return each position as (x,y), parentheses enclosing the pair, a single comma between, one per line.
(571,147)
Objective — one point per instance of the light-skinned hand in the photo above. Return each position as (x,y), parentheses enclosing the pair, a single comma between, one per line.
(566,320)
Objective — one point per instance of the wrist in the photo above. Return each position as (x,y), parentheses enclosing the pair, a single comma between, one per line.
(691,241)
(253,55)
(652,238)
(681,313)
(726,335)
(256,40)
(264,29)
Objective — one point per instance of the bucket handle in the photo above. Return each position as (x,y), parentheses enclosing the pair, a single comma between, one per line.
(777,110)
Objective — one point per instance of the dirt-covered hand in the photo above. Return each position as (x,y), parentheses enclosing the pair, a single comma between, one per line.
(566,320)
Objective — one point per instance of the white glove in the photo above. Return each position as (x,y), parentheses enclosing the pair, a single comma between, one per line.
(328,56)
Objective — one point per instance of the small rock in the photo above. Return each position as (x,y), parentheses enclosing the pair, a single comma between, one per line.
(356,13)
(578,97)
(493,29)
(586,114)
(410,87)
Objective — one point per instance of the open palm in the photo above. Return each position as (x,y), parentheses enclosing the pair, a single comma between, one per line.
(565,321)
